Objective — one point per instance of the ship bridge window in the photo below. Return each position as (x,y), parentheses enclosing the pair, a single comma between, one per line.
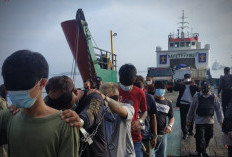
(176,44)
(171,44)
(181,44)
(188,44)
(193,43)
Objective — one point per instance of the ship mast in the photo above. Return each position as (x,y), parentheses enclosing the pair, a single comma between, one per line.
(183,25)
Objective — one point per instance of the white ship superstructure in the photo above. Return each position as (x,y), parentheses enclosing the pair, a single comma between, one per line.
(184,48)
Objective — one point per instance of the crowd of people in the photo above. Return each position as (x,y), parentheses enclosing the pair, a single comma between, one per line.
(129,119)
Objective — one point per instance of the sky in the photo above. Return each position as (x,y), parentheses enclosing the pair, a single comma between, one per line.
(141,25)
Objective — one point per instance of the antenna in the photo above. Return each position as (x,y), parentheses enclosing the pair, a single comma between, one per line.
(183,22)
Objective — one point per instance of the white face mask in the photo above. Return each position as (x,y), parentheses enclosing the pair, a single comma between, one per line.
(148,82)
(126,88)
(188,80)
(22,99)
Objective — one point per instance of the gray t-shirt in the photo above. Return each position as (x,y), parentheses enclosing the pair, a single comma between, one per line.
(118,133)
(187,97)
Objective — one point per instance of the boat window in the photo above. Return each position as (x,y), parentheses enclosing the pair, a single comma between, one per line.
(158,73)
(188,44)
(171,44)
(181,44)
(193,43)
(176,44)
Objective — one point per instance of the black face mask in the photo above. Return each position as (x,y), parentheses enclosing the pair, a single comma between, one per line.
(205,90)
(63,102)
(115,97)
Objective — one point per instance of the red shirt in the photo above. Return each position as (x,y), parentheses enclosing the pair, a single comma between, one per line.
(136,97)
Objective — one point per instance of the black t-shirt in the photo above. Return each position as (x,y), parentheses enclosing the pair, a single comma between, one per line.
(91,108)
(151,109)
(164,110)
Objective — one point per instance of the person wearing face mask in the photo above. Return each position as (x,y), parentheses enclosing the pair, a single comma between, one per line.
(186,89)
(202,111)
(62,95)
(37,129)
(164,111)
(118,119)
(136,97)
(149,85)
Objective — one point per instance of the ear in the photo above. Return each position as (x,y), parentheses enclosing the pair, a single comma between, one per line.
(43,83)
(120,98)
(75,91)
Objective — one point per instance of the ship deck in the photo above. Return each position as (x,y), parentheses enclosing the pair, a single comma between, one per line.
(183,148)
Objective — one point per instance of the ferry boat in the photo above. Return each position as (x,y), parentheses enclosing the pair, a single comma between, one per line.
(184,48)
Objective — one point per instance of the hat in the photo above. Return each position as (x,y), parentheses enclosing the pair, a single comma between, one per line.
(98,79)
(186,76)
(205,83)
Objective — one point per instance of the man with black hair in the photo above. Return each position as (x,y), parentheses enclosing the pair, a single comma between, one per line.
(187,89)
(62,94)
(202,111)
(136,97)
(149,133)
(29,133)
(227,129)
(98,82)
(225,86)
(87,84)
(164,111)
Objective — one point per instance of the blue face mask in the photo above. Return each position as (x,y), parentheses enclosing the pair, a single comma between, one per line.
(126,88)
(22,99)
(159,92)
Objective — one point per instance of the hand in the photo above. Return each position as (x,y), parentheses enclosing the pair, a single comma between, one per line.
(230,135)
(153,142)
(135,126)
(220,123)
(218,95)
(71,117)
(13,109)
(167,129)
(97,92)
(188,123)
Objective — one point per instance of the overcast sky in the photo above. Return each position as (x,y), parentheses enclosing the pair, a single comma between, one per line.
(141,25)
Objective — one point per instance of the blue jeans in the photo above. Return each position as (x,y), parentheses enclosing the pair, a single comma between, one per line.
(138,149)
(161,147)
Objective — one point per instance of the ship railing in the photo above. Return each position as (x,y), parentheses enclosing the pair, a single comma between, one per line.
(104,59)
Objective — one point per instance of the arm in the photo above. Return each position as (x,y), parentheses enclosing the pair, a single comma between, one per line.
(116,107)
(92,111)
(191,111)
(218,109)
(168,128)
(220,86)
(69,142)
